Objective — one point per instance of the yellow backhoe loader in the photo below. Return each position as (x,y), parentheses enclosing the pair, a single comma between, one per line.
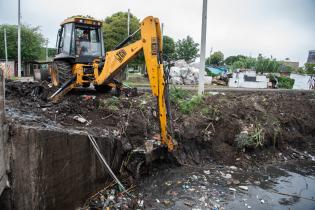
(81,61)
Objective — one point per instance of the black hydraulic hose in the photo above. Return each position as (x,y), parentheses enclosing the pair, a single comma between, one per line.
(120,45)
(167,99)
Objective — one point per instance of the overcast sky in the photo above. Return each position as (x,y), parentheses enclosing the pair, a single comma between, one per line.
(281,28)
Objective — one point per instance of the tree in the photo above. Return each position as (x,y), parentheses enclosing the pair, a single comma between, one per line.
(266,65)
(232,59)
(216,59)
(244,63)
(168,48)
(51,53)
(115,29)
(31,42)
(186,49)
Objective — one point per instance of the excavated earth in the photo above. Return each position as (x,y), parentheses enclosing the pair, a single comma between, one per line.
(212,135)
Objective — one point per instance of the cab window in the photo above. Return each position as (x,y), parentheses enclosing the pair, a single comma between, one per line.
(88,41)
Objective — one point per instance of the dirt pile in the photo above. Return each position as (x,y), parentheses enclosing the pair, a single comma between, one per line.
(228,124)
(217,126)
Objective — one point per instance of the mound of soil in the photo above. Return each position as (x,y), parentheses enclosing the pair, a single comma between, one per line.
(223,127)
(220,122)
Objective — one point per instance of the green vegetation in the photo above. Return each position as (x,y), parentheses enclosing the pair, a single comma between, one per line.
(186,49)
(285,82)
(115,29)
(216,59)
(177,94)
(244,63)
(267,65)
(253,138)
(111,104)
(31,42)
(310,68)
(186,102)
(187,106)
(51,53)
(263,65)
(232,59)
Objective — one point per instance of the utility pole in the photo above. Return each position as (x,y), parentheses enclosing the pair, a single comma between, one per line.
(201,87)
(19,38)
(6,52)
(46,50)
(5,69)
(2,89)
(3,162)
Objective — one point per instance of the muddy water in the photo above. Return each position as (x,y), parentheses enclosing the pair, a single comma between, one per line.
(285,186)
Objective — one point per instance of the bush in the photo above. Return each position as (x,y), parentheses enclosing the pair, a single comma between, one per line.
(251,139)
(184,101)
(285,82)
(310,68)
(177,94)
(187,106)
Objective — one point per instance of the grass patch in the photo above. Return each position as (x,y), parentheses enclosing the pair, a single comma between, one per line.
(187,106)
(111,104)
(186,102)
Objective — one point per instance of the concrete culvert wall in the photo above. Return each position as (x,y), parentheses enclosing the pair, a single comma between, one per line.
(53,169)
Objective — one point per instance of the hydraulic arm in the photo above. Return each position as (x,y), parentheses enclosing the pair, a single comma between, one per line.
(103,72)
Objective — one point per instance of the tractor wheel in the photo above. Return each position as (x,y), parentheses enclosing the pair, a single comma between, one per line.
(103,88)
(60,73)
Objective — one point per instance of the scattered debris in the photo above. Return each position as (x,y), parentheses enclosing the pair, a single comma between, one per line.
(243,187)
(234,168)
(226,176)
(80,119)
(207,172)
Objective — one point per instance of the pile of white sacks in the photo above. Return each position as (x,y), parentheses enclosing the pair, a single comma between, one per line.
(183,73)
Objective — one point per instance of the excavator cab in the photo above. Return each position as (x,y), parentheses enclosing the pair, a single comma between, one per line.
(80,40)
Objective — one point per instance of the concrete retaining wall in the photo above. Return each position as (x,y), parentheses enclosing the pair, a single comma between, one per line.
(55,169)
(3,159)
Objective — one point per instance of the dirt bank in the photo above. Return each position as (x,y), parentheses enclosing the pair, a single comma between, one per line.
(221,126)
(244,129)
